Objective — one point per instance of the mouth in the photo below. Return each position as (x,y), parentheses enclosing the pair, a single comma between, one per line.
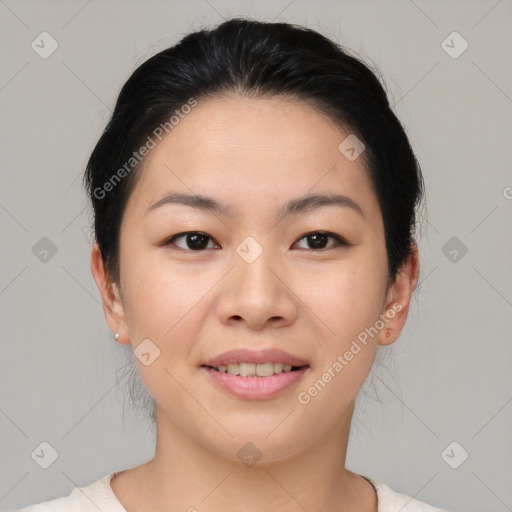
(255,375)
(250,381)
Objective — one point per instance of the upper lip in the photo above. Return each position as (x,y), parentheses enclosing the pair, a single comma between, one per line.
(251,356)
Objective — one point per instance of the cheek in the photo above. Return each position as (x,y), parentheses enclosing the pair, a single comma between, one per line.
(345,298)
(163,305)
(160,294)
(346,304)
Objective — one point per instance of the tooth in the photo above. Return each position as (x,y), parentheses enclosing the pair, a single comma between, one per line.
(247,369)
(278,367)
(264,369)
(253,369)
(233,369)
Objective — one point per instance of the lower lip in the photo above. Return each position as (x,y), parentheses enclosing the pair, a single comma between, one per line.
(256,388)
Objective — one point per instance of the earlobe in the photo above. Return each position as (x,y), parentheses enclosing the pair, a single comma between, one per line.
(113,307)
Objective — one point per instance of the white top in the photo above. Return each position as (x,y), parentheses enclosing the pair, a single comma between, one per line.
(99,496)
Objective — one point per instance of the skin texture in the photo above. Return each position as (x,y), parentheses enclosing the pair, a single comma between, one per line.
(252,155)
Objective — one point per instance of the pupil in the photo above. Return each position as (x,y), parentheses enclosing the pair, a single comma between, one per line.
(197,241)
(315,239)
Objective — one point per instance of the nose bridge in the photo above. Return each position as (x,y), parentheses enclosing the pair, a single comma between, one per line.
(254,267)
(255,291)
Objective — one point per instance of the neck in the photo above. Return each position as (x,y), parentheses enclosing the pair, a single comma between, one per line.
(191,476)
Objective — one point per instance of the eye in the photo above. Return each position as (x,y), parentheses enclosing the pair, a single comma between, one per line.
(195,240)
(318,239)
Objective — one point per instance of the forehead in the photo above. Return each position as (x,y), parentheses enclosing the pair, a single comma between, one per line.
(248,151)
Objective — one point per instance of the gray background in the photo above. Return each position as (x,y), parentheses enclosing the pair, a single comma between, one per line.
(448,377)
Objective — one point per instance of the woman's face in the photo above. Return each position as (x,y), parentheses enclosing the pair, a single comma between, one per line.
(254,280)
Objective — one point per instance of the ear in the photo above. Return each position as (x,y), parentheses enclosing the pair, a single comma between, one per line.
(398,299)
(113,306)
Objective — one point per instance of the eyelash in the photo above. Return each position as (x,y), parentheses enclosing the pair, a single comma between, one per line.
(340,241)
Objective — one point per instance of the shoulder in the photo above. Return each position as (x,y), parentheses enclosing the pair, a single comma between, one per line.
(91,498)
(391,501)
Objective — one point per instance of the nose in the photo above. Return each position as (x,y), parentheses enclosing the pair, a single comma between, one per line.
(257,294)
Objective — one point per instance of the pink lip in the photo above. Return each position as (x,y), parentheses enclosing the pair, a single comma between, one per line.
(256,388)
(250,356)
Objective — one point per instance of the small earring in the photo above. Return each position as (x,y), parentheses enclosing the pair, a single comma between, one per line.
(387,334)
(116,336)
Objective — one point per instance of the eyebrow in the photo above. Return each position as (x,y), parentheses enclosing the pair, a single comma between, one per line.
(293,207)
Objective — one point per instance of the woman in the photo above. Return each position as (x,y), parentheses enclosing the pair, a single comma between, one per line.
(254,199)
